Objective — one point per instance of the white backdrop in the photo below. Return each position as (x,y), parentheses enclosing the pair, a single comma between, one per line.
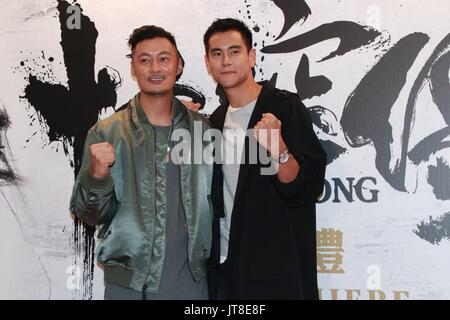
(383,231)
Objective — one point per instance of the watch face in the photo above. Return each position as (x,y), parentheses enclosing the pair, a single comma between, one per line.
(284,157)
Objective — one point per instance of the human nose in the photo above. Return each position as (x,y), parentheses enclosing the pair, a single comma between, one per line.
(226,59)
(154,65)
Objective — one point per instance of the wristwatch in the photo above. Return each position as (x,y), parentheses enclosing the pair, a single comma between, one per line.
(284,156)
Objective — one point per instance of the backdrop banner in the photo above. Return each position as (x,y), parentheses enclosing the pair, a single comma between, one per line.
(374,76)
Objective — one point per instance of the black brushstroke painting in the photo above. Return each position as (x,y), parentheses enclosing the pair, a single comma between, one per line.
(307,86)
(365,118)
(69,111)
(325,120)
(293,12)
(439,81)
(433,73)
(10,183)
(188,91)
(181,91)
(333,150)
(7,172)
(430,145)
(351,35)
(366,112)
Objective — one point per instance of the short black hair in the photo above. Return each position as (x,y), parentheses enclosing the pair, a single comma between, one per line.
(227,24)
(150,32)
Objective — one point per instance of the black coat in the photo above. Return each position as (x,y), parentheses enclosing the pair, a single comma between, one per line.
(272,245)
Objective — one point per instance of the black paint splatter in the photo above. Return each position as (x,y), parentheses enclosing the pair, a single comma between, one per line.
(293,12)
(352,36)
(435,230)
(69,112)
(439,179)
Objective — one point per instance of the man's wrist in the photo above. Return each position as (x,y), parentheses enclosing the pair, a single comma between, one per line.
(284,156)
(281,148)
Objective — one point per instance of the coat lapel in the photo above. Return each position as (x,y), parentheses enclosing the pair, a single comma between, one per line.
(218,117)
(217,120)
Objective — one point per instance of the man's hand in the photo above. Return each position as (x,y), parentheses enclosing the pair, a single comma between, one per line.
(268,134)
(191,105)
(102,158)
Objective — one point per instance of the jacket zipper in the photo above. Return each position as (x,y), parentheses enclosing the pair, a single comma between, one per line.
(185,215)
(145,286)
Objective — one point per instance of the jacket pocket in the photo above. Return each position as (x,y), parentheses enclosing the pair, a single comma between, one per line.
(113,263)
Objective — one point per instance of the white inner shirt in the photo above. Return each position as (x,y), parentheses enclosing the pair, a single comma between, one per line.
(234,132)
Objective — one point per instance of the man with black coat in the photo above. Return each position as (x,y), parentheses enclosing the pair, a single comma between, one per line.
(264,228)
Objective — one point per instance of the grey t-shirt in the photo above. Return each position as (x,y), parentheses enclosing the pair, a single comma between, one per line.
(234,132)
(177,281)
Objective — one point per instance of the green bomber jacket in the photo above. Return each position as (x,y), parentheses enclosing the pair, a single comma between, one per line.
(124,204)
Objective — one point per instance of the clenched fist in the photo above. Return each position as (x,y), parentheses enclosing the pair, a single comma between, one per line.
(102,158)
(268,133)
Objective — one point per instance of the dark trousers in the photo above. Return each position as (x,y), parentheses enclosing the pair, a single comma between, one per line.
(116,292)
(222,281)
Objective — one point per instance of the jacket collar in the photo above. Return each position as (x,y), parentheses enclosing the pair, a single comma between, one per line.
(138,117)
